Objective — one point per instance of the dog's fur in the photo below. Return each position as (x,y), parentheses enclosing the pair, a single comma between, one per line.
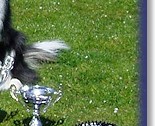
(26,56)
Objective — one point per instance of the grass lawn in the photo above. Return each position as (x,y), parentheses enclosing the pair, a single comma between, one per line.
(99,73)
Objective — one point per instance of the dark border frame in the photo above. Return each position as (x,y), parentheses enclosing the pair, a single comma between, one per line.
(143,62)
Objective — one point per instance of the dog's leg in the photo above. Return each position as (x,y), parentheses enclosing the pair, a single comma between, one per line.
(2,15)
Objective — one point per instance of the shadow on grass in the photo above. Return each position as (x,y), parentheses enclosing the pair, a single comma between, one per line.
(45,122)
(4,116)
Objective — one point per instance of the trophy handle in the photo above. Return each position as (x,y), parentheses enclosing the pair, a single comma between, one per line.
(56,99)
(59,93)
(15,91)
(15,85)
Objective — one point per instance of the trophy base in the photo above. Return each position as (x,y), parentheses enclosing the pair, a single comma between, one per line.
(35,122)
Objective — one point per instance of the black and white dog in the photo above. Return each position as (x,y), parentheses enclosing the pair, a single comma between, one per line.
(18,60)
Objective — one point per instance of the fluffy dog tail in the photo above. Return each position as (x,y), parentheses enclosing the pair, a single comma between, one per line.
(43,51)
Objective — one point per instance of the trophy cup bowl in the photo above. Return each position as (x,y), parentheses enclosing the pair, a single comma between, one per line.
(37,98)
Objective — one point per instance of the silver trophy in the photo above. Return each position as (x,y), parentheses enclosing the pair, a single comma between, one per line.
(36,99)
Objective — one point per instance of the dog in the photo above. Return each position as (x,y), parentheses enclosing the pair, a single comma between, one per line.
(18,60)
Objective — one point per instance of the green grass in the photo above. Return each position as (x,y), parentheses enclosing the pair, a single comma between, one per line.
(98,74)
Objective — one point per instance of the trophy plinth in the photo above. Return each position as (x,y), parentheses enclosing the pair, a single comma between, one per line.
(36,99)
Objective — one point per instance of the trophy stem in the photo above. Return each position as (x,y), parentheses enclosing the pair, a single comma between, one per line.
(36,111)
(36,116)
